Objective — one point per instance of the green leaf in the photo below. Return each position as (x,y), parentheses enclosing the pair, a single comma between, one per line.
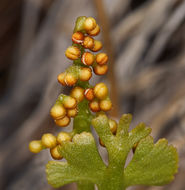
(85,186)
(124,140)
(152,164)
(84,162)
(81,152)
(124,124)
(101,126)
(138,133)
(60,173)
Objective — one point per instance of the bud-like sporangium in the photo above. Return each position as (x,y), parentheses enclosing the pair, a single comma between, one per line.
(88,42)
(89,94)
(95,31)
(69,102)
(70,79)
(113,126)
(134,147)
(55,153)
(100,69)
(101,91)
(58,111)
(94,106)
(63,122)
(101,58)
(101,143)
(85,73)
(73,53)
(78,37)
(89,24)
(106,104)
(87,58)
(49,140)
(77,93)
(97,46)
(35,146)
(63,136)
(61,78)
(72,112)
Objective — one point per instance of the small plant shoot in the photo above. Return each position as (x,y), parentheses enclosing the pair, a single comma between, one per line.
(151,164)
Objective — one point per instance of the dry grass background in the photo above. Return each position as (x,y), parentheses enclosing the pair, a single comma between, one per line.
(145,40)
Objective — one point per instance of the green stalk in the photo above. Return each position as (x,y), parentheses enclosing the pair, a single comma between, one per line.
(82,121)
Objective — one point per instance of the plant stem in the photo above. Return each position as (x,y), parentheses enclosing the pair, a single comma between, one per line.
(82,121)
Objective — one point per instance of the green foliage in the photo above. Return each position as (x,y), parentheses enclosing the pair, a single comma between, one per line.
(152,164)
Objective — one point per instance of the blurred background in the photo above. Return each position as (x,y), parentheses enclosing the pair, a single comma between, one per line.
(145,40)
